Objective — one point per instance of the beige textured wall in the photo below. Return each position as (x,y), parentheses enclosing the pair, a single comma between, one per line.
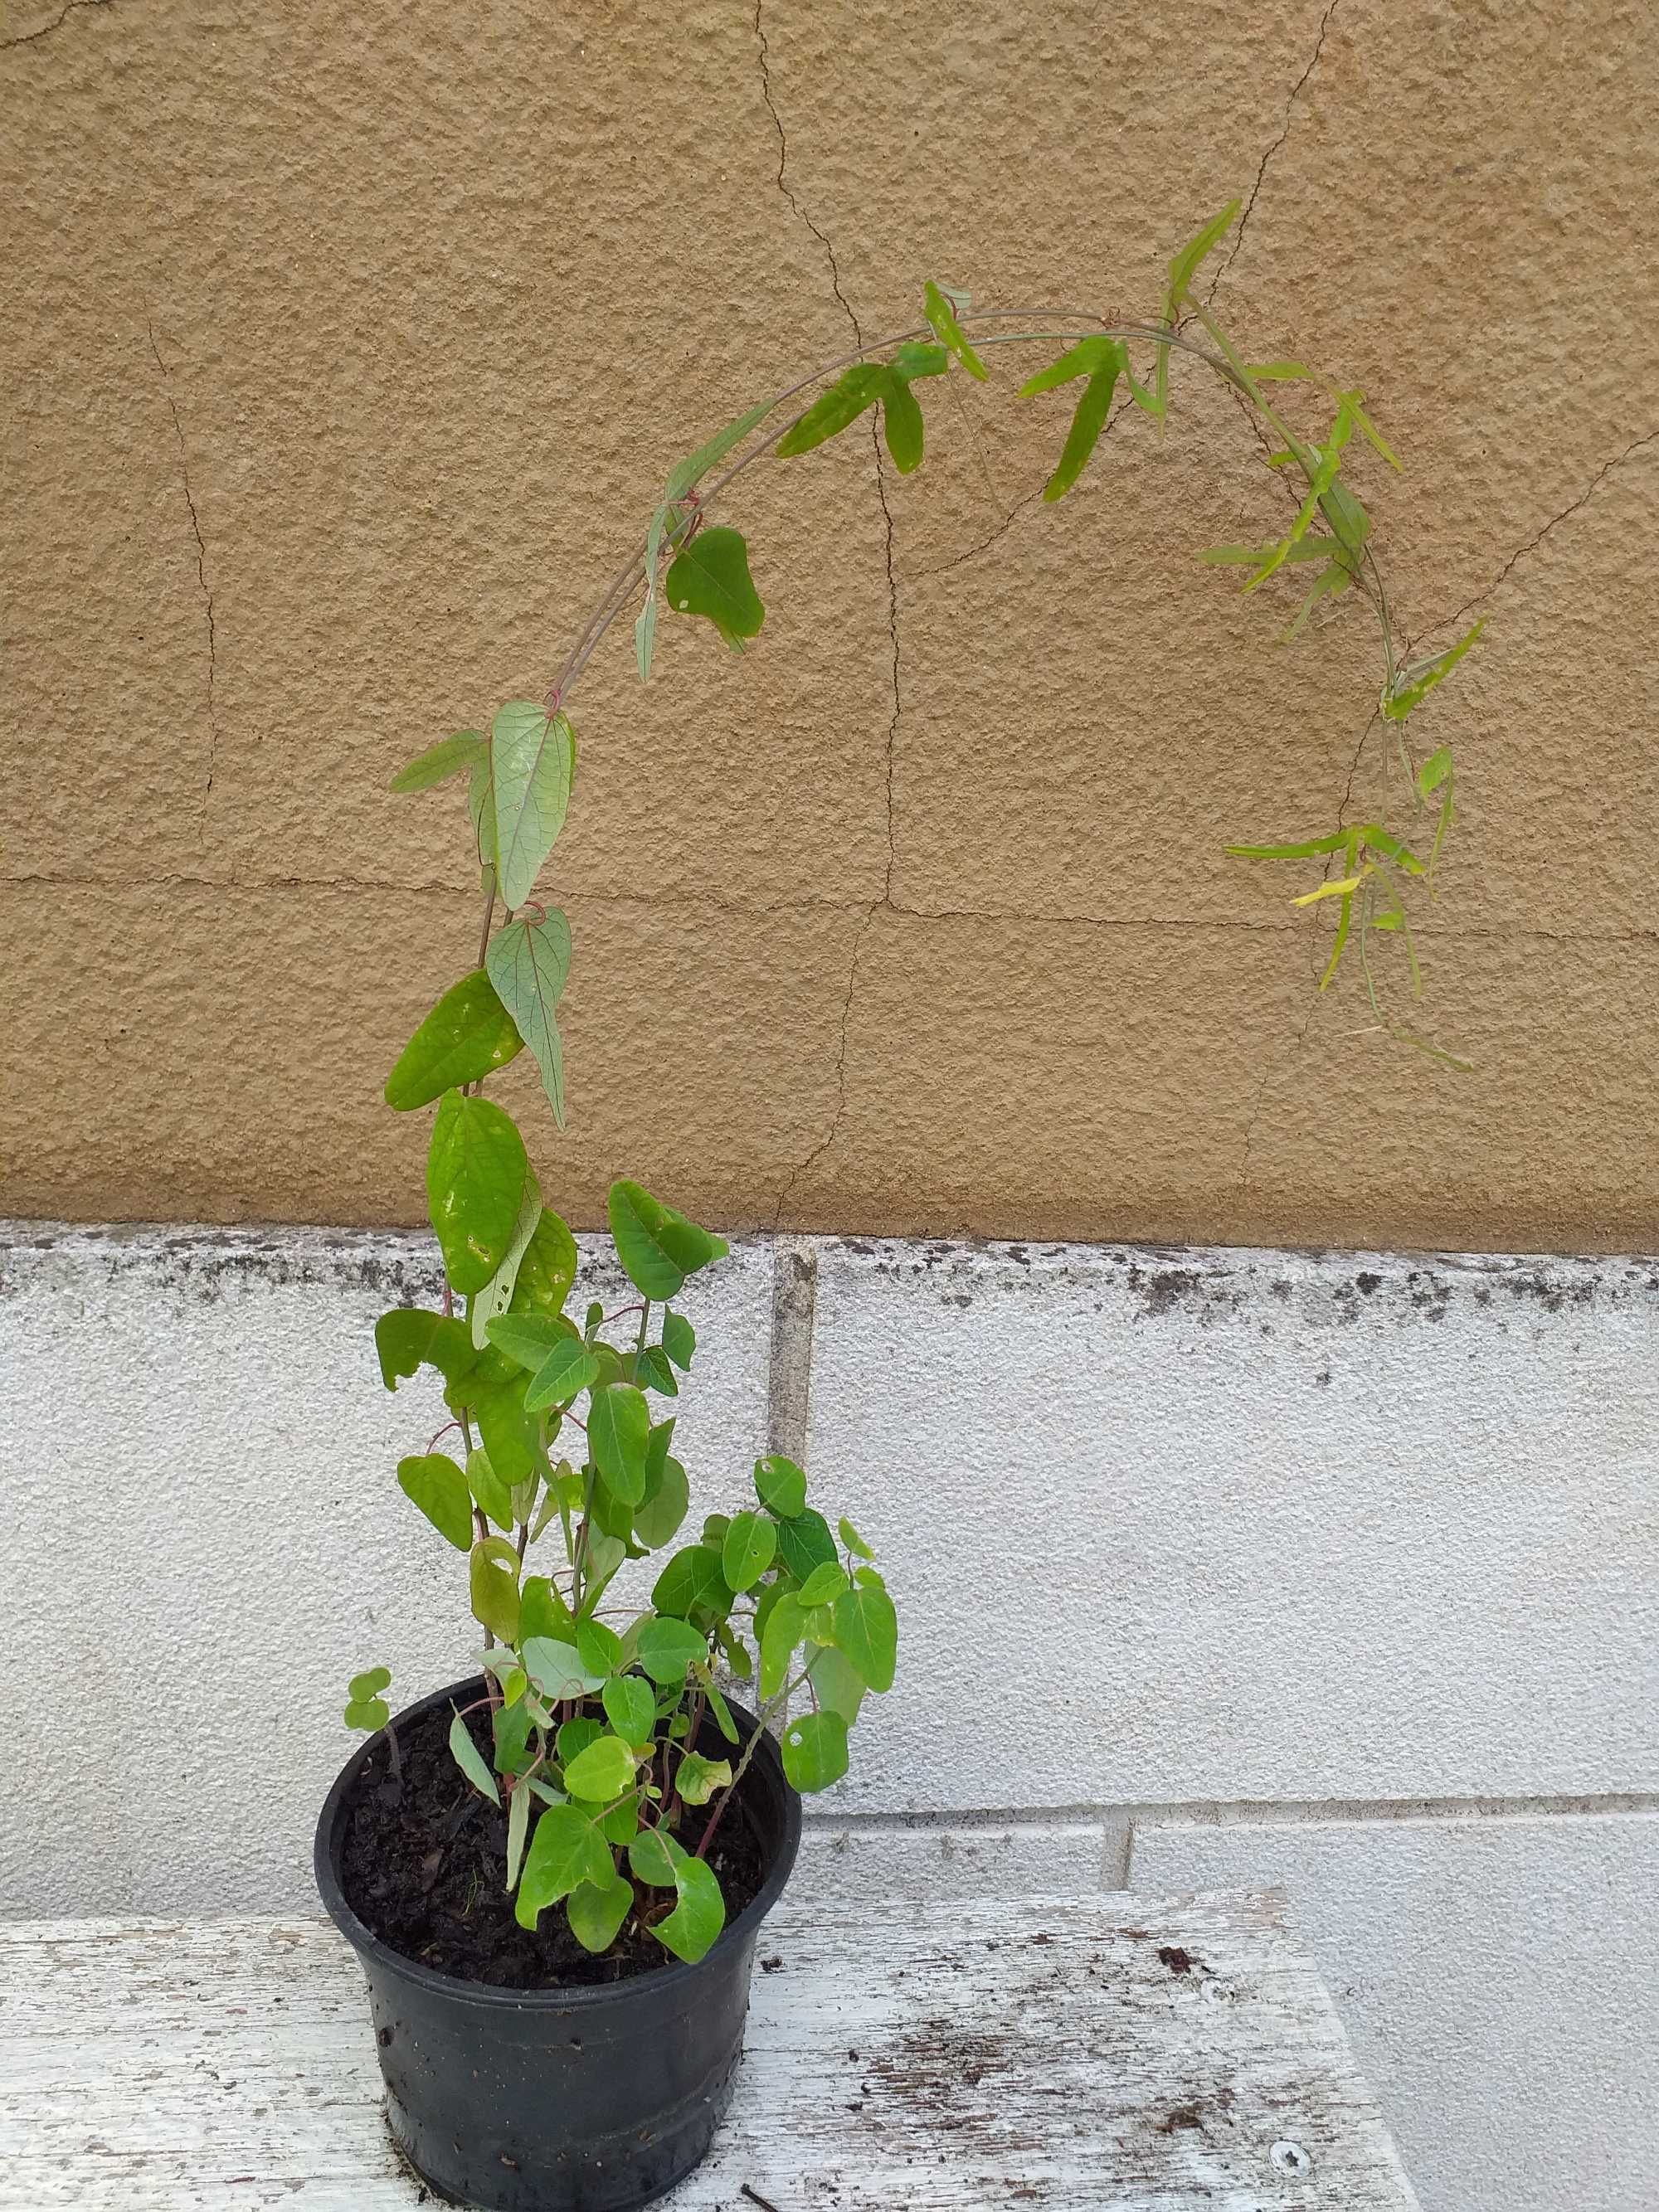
(343,347)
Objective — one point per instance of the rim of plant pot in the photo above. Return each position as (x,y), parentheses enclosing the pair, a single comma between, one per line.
(358,1933)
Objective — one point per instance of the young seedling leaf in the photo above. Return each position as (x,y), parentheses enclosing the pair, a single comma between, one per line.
(853,1540)
(467,1035)
(528,962)
(474,1179)
(470,1760)
(449,757)
(710,577)
(369,1714)
(370,1683)
(533,760)
(1185,265)
(942,314)
(437,1485)
(815,1750)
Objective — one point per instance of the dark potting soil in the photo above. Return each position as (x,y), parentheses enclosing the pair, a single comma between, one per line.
(424,1865)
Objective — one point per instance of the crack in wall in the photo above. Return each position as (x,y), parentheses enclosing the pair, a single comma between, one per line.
(45,31)
(784,185)
(1606,468)
(804,1166)
(1266,162)
(201,548)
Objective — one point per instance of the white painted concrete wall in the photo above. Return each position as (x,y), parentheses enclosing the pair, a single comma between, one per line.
(1213,1566)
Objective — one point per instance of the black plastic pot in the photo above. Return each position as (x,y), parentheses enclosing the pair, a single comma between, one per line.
(590,2100)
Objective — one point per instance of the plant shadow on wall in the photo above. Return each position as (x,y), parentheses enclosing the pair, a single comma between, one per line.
(594,1803)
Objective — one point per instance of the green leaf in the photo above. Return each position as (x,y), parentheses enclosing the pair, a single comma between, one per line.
(576,1734)
(1102,361)
(526,1338)
(652,1370)
(368,1713)
(1184,266)
(548,1268)
(474,1179)
(481,807)
(437,1485)
(601,1772)
(596,1910)
(651,1856)
(494,1587)
(824,1584)
(750,1548)
(831,412)
(532,759)
(618,1430)
(487,1487)
(600,1647)
(679,1340)
(860,387)
(697,1778)
(1310,849)
(815,1750)
(467,1035)
(449,757)
(781,1485)
(867,1630)
(470,1760)
(1413,685)
(711,578)
(805,1542)
(488,1303)
(691,1928)
(902,425)
(631,1707)
(557,1669)
(566,1851)
(409,1338)
(568,1370)
(668,1647)
(686,475)
(839,1687)
(943,317)
(851,1538)
(509,1727)
(1434,771)
(692,1581)
(528,962)
(518,1828)
(660,1512)
(785,1624)
(370,1683)
(658,1247)
(543,1613)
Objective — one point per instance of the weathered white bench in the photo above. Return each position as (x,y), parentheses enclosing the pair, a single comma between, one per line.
(1075,2055)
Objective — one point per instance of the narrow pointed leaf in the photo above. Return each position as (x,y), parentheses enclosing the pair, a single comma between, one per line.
(1184,265)
(686,475)
(449,757)
(528,962)
(1413,685)
(492,1301)
(470,1760)
(943,317)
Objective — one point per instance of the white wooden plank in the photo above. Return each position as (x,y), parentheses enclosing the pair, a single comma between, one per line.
(1071,2055)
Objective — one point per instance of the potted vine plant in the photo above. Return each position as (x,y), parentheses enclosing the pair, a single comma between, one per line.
(555,1870)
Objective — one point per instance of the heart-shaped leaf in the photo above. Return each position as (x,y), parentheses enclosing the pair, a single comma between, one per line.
(815,1750)
(533,757)
(565,1850)
(711,578)
(597,1910)
(475,1178)
(467,1035)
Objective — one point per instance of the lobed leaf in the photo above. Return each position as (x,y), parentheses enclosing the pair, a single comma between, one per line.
(710,577)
